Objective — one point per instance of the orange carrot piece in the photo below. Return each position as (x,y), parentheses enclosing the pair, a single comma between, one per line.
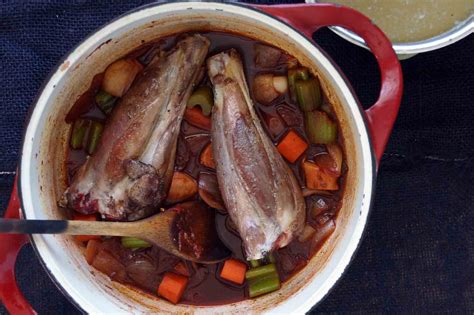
(292,146)
(182,187)
(317,178)
(172,287)
(195,117)
(206,158)
(234,271)
(91,250)
(181,269)
(85,217)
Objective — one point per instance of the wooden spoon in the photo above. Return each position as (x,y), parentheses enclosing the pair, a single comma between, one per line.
(187,231)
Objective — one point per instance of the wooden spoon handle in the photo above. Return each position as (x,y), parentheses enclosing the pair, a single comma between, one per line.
(11,226)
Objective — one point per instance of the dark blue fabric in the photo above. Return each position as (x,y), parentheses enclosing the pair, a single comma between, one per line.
(418,251)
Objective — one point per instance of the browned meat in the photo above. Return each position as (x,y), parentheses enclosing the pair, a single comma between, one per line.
(130,173)
(259,190)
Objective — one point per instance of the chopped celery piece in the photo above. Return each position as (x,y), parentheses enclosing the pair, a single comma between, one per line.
(320,129)
(254,263)
(95,133)
(295,74)
(105,101)
(79,132)
(132,242)
(308,94)
(260,271)
(264,285)
(268,259)
(203,97)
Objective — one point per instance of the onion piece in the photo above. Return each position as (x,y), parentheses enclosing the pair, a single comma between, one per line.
(291,115)
(309,192)
(273,123)
(209,191)
(280,83)
(182,269)
(267,87)
(182,187)
(319,206)
(108,264)
(306,234)
(119,76)
(323,232)
(91,250)
(166,262)
(196,142)
(206,158)
(263,89)
(143,272)
(335,152)
(267,56)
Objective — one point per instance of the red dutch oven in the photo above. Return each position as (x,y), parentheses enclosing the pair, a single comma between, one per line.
(40,181)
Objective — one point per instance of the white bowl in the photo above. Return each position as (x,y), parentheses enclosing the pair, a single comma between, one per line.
(409,49)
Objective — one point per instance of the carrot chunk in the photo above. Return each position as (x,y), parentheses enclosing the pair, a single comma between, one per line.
(85,217)
(234,271)
(292,146)
(181,269)
(317,178)
(172,287)
(195,117)
(207,158)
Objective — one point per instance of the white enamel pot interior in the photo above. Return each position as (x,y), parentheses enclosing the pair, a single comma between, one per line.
(43,173)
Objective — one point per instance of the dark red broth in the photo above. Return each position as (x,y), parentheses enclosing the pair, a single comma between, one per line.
(205,287)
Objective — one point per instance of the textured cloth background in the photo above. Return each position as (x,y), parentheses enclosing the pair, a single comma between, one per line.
(418,250)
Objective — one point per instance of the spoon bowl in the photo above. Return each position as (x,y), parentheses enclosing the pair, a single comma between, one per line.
(187,230)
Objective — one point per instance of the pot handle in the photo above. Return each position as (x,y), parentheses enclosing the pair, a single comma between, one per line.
(308,18)
(10,294)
